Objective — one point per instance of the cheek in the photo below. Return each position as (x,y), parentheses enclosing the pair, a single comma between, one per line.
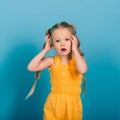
(55,46)
(69,45)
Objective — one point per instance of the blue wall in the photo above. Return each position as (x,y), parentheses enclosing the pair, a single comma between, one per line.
(22,31)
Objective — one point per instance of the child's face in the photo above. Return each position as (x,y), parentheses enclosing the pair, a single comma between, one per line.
(61,38)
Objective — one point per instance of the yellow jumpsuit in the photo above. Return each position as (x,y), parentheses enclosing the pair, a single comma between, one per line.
(63,102)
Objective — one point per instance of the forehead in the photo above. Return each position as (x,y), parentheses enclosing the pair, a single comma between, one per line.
(61,32)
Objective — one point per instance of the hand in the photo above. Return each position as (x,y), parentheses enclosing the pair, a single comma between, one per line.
(47,45)
(74,41)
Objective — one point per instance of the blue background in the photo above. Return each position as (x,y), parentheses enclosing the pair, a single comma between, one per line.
(22,30)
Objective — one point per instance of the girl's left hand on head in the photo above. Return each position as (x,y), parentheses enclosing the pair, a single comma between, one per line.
(74,41)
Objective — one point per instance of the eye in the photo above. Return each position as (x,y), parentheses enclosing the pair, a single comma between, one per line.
(67,39)
(57,40)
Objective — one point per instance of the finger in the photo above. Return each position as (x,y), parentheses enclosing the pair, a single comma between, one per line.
(75,40)
(71,39)
(74,37)
(48,37)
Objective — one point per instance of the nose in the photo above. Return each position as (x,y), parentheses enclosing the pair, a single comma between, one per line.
(62,43)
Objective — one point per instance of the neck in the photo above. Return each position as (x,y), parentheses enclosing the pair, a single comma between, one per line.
(65,58)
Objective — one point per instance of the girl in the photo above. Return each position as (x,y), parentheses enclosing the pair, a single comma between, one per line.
(67,68)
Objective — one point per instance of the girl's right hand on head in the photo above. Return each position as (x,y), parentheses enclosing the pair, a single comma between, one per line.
(47,45)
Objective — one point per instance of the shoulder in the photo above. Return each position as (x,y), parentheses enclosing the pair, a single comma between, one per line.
(54,60)
(50,59)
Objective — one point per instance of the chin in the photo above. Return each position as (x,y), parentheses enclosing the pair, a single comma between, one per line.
(64,54)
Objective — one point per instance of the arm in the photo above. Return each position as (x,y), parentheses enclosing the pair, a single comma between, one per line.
(80,61)
(39,62)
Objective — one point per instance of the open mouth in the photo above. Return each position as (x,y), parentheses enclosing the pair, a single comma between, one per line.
(63,49)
